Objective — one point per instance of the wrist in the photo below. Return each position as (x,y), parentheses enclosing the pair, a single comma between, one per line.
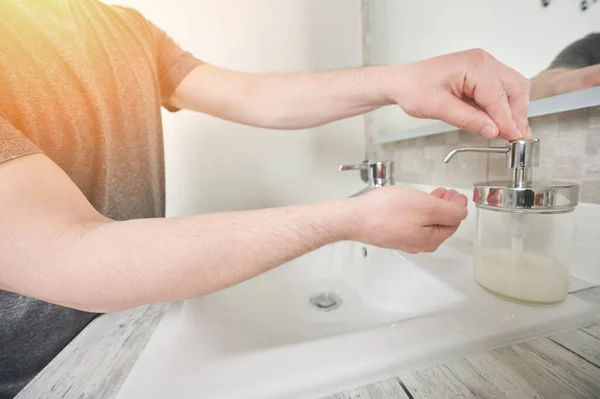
(342,219)
(388,82)
(352,218)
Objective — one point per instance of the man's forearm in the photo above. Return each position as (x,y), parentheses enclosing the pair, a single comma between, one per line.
(304,100)
(554,82)
(117,265)
(284,101)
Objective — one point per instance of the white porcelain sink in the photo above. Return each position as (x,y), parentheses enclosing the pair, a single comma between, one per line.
(389,313)
(337,289)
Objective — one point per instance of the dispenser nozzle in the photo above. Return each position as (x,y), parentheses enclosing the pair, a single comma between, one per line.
(451,154)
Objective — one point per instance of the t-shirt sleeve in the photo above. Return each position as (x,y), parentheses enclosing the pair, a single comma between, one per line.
(172,62)
(579,54)
(13,143)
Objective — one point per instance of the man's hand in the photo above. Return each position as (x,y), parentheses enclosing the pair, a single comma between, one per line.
(408,219)
(469,89)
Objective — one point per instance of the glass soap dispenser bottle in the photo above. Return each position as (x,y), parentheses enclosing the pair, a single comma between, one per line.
(523,231)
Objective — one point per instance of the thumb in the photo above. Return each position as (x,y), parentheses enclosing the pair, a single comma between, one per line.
(467,117)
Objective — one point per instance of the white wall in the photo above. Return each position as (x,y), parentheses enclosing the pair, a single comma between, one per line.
(520,33)
(214,165)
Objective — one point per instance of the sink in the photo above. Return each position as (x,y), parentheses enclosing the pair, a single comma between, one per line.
(340,288)
(339,317)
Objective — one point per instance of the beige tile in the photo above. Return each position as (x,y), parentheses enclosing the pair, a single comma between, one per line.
(424,171)
(440,176)
(420,142)
(496,167)
(568,141)
(418,151)
(566,167)
(465,174)
(436,139)
(592,145)
(468,139)
(594,116)
(591,168)
(571,136)
(452,138)
(542,173)
(386,153)
(545,125)
(412,143)
(590,191)
(436,153)
(582,114)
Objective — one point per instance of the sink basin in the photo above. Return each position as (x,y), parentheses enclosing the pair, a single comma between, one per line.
(340,317)
(340,288)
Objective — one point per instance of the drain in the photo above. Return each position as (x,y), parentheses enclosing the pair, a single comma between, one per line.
(326,301)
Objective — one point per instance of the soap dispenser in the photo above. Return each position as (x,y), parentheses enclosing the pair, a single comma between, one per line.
(523,228)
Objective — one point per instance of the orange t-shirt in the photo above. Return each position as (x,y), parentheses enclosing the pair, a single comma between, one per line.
(82,82)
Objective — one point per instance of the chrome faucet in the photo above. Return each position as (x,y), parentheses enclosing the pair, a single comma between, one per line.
(375,174)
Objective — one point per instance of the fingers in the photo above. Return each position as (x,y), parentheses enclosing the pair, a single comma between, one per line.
(466,117)
(501,92)
(458,199)
(487,90)
(450,195)
(446,212)
(439,192)
(441,232)
(518,89)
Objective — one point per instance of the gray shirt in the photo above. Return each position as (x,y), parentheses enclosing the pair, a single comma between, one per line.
(579,54)
(83,83)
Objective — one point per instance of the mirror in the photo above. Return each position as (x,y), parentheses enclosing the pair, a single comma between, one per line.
(556,44)
(576,67)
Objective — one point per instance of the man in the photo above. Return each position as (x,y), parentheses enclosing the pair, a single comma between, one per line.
(82,179)
(577,67)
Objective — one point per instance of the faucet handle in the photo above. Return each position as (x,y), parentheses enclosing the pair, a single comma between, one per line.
(358,166)
(363,167)
(375,173)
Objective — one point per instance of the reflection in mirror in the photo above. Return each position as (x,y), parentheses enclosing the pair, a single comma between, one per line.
(557,47)
(577,67)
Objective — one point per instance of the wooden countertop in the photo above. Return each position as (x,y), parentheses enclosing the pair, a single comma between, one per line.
(97,362)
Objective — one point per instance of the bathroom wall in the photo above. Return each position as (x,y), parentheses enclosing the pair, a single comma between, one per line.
(214,165)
